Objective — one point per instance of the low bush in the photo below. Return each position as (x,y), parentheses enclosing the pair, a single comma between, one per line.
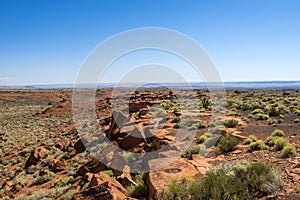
(280,143)
(256,111)
(227,143)
(63,182)
(258,145)
(261,116)
(289,151)
(274,111)
(140,189)
(202,139)
(109,173)
(160,113)
(297,120)
(250,139)
(202,125)
(231,123)
(176,119)
(297,189)
(205,102)
(297,112)
(270,141)
(278,133)
(43,179)
(210,142)
(233,113)
(239,180)
(272,121)
(194,150)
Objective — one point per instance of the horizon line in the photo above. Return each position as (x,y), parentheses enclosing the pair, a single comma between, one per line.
(107,83)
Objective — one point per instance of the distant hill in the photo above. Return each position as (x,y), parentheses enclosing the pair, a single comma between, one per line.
(195,85)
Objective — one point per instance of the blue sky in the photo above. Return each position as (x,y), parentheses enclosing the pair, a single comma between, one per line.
(45,42)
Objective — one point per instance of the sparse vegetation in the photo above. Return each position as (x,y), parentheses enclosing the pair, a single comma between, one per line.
(29,125)
(140,189)
(230,181)
(297,120)
(63,182)
(202,139)
(289,151)
(270,141)
(258,145)
(250,139)
(227,143)
(231,123)
(43,179)
(277,133)
(205,102)
(280,143)
(261,116)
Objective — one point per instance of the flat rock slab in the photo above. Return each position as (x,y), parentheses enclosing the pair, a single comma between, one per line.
(181,168)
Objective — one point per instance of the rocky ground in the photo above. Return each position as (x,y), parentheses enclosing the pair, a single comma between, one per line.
(45,155)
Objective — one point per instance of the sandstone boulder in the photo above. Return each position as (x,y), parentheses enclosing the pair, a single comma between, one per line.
(118,119)
(181,168)
(58,166)
(63,145)
(36,156)
(92,166)
(79,146)
(132,140)
(102,187)
(136,106)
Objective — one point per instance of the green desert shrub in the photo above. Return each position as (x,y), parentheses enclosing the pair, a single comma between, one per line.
(256,111)
(280,143)
(233,113)
(63,193)
(274,111)
(202,139)
(251,116)
(205,102)
(245,106)
(227,143)
(297,112)
(277,133)
(297,120)
(261,116)
(202,125)
(247,120)
(191,151)
(63,182)
(280,121)
(43,179)
(160,113)
(272,121)
(109,173)
(297,189)
(140,189)
(281,116)
(166,105)
(270,141)
(289,151)
(210,142)
(176,119)
(250,139)
(194,126)
(239,180)
(231,123)
(258,145)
